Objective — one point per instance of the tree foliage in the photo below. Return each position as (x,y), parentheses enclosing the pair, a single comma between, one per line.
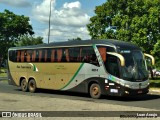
(138,21)
(29,40)
(156,53)
(77,39)
(12,28)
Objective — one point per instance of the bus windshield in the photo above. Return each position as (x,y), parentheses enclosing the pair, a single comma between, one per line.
(135,67)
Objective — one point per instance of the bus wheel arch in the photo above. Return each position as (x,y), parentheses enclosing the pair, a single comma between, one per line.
(94,90)
(32,85)
(23,84)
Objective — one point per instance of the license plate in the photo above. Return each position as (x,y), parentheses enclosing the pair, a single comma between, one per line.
(140,91)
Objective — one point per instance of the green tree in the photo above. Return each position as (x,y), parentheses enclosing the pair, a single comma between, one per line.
(12,28)
(138,21)
(156,53)
(78,38)
(29,40)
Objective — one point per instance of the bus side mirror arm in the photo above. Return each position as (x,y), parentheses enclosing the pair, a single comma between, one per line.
(150,56)
(121,58)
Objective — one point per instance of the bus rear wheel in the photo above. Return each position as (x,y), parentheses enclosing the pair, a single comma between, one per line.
(24,85)
(95,91)
(32,86)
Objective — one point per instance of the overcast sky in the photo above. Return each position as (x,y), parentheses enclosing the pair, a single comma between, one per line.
(68,17)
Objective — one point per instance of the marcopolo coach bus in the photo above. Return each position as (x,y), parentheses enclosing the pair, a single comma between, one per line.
(97,67)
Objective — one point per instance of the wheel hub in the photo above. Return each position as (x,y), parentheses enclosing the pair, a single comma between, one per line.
(95,90)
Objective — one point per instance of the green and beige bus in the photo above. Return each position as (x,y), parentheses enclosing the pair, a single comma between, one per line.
(97,67)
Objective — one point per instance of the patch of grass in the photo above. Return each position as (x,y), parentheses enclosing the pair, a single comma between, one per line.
(4,81)
(3,72)
(155,83)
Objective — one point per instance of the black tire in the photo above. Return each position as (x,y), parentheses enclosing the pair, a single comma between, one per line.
(24,85)
(95,91)
(32,86)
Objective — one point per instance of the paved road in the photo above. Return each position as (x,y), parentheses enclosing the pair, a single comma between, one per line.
(151,101)
(3,78)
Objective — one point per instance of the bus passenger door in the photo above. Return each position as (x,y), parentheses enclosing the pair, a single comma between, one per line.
(112,65)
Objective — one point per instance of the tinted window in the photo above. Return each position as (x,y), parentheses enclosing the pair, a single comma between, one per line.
(88,55)
(112,65)
(12,55)
(72,54)
(103,49)
(48,55)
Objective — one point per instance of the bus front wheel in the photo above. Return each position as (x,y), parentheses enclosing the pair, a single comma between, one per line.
(32,85)
(95,91)
(24,85)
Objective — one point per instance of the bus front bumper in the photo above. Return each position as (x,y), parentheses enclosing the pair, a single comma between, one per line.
(124,91)
(131,92)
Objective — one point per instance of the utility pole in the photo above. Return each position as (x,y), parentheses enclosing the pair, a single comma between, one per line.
(49,22)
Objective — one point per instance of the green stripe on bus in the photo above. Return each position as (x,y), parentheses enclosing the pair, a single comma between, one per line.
(73,76)
(94,46)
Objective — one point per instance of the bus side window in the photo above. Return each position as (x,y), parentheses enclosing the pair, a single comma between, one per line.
(25,56)
(73,54)
(48,55)
(33,55)
(110,49)
(79,57)
(29,56)
(86,54)
(53,55)
(89,56)
(37,56)
(59,55)
(67,54)
(18,56)
(22,55)
(40,55)
(43,55)
(102,51)
(12,55)
(63,56)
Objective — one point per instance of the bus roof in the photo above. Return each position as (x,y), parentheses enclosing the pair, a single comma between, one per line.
(110,42)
